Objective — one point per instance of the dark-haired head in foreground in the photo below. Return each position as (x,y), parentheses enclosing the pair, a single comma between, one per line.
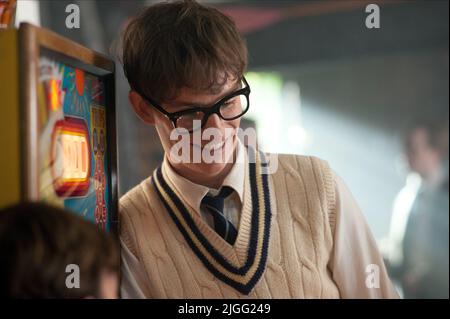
(38,243)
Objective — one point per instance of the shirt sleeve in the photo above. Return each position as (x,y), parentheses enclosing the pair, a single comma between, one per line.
(133,280)
(356,263)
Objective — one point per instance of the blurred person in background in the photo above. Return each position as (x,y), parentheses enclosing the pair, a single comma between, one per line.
(38,242)
(419,233)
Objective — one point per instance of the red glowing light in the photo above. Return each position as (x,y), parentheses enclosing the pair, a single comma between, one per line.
(71,158)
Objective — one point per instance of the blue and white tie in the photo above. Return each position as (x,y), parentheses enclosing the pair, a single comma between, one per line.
(214,205)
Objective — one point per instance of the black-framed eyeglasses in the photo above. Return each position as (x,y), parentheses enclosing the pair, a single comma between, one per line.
(228,108)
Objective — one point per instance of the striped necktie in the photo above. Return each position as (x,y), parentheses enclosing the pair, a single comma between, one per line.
(214,205)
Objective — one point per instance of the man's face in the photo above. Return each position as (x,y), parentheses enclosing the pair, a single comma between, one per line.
(422,157)
(224,140)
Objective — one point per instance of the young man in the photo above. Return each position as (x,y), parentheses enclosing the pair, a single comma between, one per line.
(225,229)
(41,243)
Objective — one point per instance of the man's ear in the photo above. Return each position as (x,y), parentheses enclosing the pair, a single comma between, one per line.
(141,107)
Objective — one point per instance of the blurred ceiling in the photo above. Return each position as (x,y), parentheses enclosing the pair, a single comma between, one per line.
(296,32)
(283,32)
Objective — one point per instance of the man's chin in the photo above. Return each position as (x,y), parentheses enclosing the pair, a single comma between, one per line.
(207,166)
(207,169)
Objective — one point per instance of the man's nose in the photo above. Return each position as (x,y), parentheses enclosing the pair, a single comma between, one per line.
(214,121)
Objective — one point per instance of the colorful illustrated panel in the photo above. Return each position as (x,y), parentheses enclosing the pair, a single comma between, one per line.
(73,141)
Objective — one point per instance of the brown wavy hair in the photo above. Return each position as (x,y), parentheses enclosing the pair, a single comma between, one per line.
(178,44)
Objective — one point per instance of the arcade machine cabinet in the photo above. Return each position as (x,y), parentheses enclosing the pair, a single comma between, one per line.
(57,124)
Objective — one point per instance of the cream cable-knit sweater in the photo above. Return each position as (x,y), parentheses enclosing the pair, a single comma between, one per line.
(302,202)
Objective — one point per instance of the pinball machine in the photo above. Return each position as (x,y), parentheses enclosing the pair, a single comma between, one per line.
(57,124)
